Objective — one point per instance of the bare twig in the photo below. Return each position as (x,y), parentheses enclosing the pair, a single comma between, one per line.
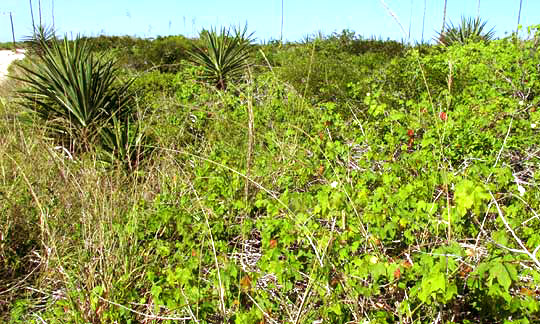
(519,16)
(312,57)
(424,20)
(266,315)
(32,15)
(529,206)
(444,18)
(188,307)
(305,297)
(40,319)
(16,285)
(251,134)
(281,32)
(524,249)
(502,148)
(267,62)
(147,316)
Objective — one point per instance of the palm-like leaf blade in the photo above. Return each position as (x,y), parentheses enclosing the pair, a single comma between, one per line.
(469,30)
(224,56)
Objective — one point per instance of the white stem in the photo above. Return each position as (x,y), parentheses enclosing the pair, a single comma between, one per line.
(516,238)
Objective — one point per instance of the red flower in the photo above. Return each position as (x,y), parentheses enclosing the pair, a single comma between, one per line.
(410,132)
(443,116)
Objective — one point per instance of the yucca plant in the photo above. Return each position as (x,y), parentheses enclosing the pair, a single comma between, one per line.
(75,93)
(470,30)
(124,144)
(223,56)
(42,35)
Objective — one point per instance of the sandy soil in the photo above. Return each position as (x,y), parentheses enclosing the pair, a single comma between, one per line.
(6,58)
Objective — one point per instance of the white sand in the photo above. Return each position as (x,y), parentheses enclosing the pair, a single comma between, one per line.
(6,58)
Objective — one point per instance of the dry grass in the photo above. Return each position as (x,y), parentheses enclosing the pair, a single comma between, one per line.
(63,222)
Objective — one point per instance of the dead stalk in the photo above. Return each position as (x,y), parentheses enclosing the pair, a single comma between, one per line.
(251,134)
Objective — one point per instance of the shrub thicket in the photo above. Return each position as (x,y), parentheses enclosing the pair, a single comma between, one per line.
(397,186)
(323,68)
(164,54)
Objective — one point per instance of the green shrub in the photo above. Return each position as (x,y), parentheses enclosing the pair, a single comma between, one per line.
(324,68)
(349,42)
(410,195)
(165,53)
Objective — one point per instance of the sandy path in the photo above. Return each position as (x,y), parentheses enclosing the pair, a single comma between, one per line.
(6,58)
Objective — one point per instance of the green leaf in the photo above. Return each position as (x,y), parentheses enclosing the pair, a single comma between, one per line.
(396,115)
(450,292)
(435,282)
(438,281)
(377,270)
(502,274)
(335,308)
(156,291)
(500,237)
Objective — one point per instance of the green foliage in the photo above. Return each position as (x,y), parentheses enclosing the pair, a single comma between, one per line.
(42,36)
(470,30)
(124,143)
(167,53)
(164,54)
(354,44)
(223,56)
(10,45)
(73,92)
(406,191)
(324,68)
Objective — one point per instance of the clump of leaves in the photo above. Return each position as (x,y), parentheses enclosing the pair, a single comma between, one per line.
(469,30)
(124,143)
(42,34)
(75,93)
(223,55)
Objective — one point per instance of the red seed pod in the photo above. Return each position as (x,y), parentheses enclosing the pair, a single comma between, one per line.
(397,274)
(443,116)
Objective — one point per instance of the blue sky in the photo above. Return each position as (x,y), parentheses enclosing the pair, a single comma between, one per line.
(145,18)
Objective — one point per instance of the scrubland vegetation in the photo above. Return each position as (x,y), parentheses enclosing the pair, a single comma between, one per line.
(334,180)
